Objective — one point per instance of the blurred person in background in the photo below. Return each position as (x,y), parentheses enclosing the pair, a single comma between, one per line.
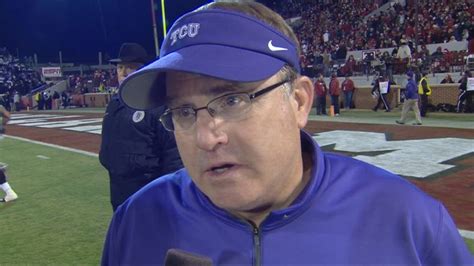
(381,89)
(6,101)
(411,100)
(135,147)
(65,99)
(348,89)
(16,101)
(56,100)
(350,64)
(321,91)
(424,90)
(47,97)
(387,59)
(404,52)
(447,79)
(334,93)
(464,103)
(10,194)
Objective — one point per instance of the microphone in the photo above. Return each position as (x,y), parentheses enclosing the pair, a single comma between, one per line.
(176,257)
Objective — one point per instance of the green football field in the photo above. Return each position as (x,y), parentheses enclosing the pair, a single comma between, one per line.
(63,209)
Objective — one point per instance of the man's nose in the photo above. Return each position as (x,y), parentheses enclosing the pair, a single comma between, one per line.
(208,131)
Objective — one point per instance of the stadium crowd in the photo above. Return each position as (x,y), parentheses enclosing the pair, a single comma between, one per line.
(19,79)
(329,29)
(96,81)
(16,78)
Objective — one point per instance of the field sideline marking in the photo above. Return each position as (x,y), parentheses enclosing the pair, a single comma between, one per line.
(55,146)
(464,233)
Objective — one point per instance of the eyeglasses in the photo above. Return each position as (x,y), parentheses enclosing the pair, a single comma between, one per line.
(232,106)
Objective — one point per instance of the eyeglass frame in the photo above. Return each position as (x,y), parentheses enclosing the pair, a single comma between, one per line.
(251,96)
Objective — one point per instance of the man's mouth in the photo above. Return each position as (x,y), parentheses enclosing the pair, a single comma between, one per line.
(221,169)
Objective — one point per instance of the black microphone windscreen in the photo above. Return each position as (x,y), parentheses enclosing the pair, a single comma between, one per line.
(176,257)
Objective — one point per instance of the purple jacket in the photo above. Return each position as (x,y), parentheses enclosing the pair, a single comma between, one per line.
(350,213)
(411,91)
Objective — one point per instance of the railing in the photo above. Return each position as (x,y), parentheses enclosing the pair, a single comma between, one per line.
(454,61)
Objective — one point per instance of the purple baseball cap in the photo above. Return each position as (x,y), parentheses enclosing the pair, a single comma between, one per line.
(217,43)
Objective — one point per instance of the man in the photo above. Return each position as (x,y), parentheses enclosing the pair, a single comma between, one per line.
(464,102)
(447,79)
(135,147)
(438,54)
(334,93)
(65,99)
(348,88)
(10,194)
(16,101)
(424,90)
(381,88)
(411,101)
(256,189)
(404,52)
(56,100)
(47,99)
(320,91)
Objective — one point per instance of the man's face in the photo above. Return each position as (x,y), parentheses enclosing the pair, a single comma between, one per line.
(125,69)
(248,164)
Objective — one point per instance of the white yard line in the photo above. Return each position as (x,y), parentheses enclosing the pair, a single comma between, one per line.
(55,146)
(467,234)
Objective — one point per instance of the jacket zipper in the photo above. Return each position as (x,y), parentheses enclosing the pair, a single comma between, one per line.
(257,246)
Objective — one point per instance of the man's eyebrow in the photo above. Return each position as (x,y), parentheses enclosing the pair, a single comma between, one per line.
(215,91)
(228,88)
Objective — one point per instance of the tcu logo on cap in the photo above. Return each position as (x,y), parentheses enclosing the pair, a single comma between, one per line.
(189,30)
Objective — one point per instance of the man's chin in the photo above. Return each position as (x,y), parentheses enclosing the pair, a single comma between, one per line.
(236,205)
(231,204)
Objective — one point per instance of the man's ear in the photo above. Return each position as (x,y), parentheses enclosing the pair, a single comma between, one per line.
(303,93)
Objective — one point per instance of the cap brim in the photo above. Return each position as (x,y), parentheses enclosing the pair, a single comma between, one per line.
(145,89)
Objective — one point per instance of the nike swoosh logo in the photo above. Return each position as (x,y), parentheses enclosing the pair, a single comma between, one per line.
(275,48)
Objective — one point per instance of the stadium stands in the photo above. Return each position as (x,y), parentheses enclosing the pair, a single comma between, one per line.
(16,77)
(334,28)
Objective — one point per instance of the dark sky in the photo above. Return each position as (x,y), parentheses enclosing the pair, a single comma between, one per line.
(82,28)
